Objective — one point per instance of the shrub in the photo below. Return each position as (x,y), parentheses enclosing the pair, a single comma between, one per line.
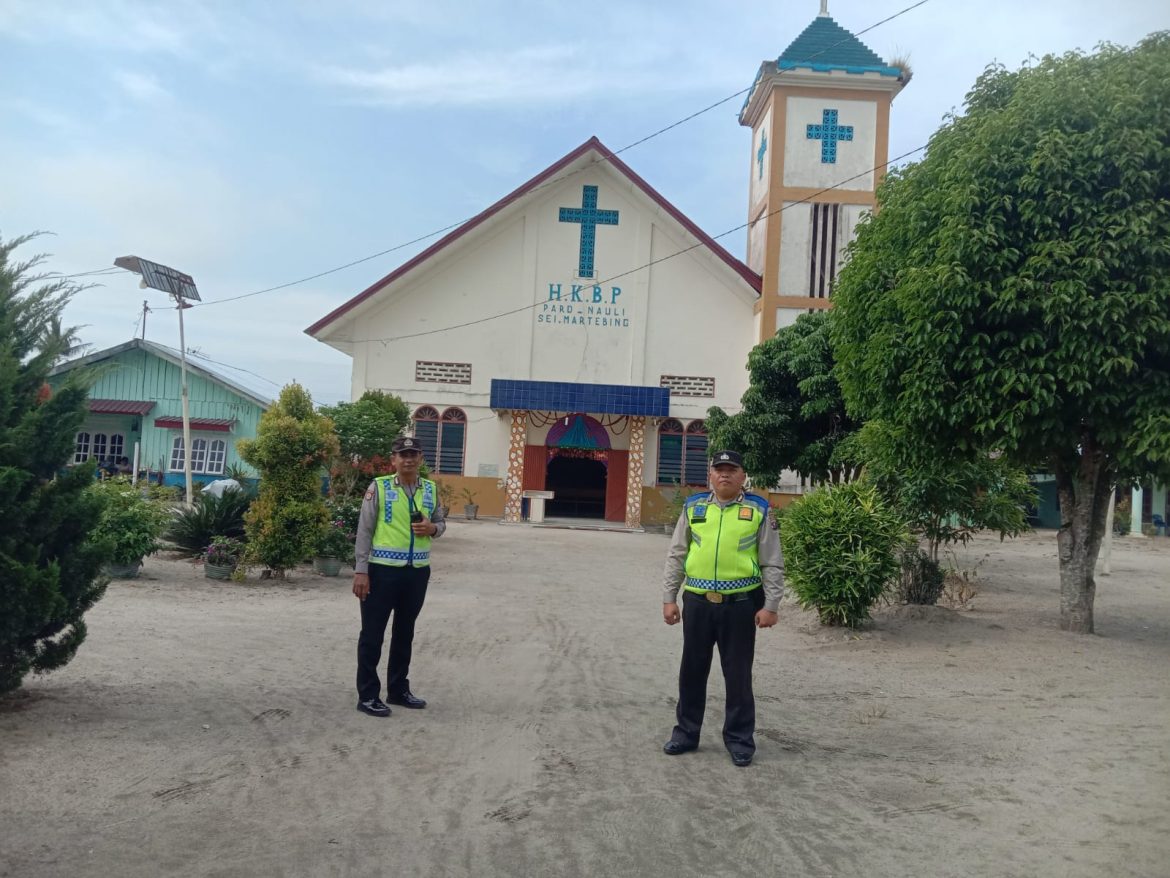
(129,524)
(224,552)
(841,549)
(193,527)
(347,510)
(335,541)
(921,579)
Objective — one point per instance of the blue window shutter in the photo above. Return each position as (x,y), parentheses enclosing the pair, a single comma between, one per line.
(670,448)
(427,434)
(696,460)
(451,451)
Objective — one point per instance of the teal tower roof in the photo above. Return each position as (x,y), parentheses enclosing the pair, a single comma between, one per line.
(825,45)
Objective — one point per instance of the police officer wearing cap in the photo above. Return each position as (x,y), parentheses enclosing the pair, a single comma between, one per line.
(400,517)
(726,557)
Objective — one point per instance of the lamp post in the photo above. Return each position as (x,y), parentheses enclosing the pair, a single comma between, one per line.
(181,287)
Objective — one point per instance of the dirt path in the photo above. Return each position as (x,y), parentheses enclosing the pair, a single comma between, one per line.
(209,729)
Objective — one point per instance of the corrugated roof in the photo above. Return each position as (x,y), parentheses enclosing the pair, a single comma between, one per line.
(825,45)
(119,407)
(174,422)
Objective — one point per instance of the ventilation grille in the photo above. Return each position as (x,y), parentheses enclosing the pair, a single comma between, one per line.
(442,373)
(688,385)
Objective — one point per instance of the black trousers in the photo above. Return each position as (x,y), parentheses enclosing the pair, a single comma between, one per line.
(731,627)
(397,590)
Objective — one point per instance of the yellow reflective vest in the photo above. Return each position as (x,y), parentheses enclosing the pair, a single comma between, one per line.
(723,554)
(394,543)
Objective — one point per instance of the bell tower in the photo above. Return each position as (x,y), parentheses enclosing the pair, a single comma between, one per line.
(820,122)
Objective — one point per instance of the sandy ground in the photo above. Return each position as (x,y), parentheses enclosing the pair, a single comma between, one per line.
(209,729)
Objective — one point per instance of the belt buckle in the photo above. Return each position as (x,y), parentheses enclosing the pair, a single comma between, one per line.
(714,597)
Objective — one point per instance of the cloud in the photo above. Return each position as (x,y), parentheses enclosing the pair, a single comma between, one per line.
(42,114)
(141,87)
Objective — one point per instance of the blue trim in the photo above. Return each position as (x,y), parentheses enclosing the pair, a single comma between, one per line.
(566,396)
(396,555)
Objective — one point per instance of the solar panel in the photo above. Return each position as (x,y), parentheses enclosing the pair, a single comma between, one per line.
(161,277)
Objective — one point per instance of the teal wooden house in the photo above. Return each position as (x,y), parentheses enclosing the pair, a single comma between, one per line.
(136,409)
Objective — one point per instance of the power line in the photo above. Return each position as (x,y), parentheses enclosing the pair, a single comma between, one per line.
(653,262)
(201,356)
(557,180)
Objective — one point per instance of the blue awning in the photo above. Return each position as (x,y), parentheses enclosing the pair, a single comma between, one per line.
(565,396)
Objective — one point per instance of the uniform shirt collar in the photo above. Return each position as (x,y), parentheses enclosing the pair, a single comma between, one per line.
(712,498)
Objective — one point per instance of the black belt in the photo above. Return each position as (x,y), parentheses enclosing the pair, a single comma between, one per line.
(719,597)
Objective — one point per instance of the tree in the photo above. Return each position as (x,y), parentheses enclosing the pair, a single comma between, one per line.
(793,415)
(1012,292)
(945,498)
(50,569)
(292,445)
(366,429)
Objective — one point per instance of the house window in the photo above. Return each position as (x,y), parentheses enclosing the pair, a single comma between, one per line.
(823,252)
(216,456)
(443,438)
(177,454)
(198,455)
(117,446)
(99,447)
(81,448)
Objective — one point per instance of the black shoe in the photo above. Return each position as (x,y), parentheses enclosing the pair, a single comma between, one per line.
(374,707)
(406,699)
(675,748)
(741,760)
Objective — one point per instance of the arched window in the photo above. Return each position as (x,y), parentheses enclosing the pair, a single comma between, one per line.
(426,431)
(670,452)
(198,455)
(452,442)
(117,446)
(695,453)
(443,438)
(99,447)
(81,448)
(216,456)
(682,453)
(177,454)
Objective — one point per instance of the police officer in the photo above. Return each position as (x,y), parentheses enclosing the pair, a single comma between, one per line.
(726,557)
(400,517)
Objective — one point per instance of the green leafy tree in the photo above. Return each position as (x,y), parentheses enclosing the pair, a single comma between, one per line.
(945,498)
(793,414)
(292,446)
(365,431)
(50,569)
(1013,290)
(130,524)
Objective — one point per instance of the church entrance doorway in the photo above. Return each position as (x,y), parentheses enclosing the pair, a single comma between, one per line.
(577,480)
(577,470)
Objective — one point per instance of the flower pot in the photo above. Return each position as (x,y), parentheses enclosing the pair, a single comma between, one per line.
(327,566)
(217,571)
(470,511)
(124,571)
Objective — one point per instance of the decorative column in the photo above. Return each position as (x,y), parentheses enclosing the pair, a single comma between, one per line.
(514,482)
(1135,513)
(634,472)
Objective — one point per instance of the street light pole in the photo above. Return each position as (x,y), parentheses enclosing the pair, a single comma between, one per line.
(182,287)
(186,404)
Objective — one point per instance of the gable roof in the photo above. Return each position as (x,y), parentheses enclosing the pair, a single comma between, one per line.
(825,45)
(172,356)
(592,144)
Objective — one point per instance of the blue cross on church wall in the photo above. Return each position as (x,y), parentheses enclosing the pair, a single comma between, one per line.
(828,133)
(590,218)
(760,153)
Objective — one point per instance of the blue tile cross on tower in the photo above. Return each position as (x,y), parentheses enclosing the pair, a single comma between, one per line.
(760,153)
(590,218)
(828,133)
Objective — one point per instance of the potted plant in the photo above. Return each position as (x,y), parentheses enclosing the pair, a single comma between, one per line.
(129,526)
(334,545)
(446,495)
(221,558)
(470,507)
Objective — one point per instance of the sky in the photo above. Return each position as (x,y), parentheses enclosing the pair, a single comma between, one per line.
(252,144)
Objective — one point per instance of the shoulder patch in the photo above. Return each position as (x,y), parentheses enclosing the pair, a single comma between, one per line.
(697,498)
(746,513)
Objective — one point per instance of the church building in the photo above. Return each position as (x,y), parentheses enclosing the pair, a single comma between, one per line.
(571,337)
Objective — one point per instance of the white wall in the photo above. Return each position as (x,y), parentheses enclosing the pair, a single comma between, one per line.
(802,157)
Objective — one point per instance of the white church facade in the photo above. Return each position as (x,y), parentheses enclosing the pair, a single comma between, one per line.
(571,337)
